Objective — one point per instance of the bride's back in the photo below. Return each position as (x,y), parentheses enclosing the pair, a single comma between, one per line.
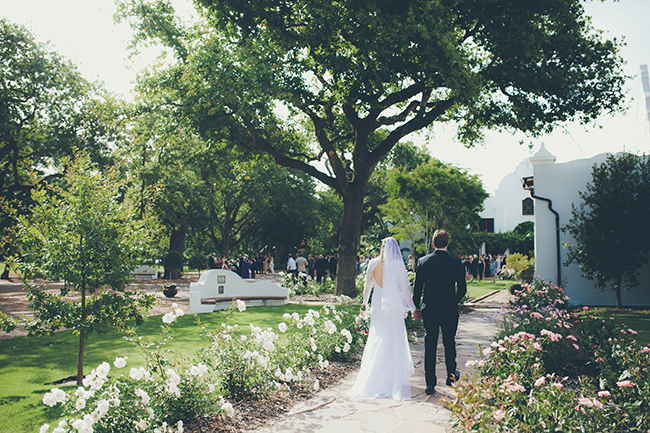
(378,273)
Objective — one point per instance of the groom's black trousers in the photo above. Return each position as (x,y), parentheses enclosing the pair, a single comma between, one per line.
(433,323)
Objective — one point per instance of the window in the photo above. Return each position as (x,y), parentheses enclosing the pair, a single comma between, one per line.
(486,225)
(527,207)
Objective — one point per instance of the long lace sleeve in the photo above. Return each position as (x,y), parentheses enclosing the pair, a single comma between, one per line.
(405,290)
(368,286)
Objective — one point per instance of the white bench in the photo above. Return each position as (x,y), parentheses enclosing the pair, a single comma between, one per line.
(145,273)
(216,289)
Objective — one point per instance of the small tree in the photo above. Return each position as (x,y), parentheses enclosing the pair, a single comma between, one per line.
(434,195)
(609,226)
(522,266)
(82,233)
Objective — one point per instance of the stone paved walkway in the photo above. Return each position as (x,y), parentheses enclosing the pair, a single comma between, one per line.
(332,411)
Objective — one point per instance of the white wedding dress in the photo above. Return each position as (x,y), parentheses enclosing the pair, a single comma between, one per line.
(386,365)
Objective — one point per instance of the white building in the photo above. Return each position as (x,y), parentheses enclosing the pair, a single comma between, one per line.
(511,204)
(555,187)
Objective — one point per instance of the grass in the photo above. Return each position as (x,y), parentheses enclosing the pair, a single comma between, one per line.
(477,289)
(27,364)
(638,320)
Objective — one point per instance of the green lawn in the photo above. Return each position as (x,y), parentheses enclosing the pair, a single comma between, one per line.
(477,289)
(28,363)
(637,320)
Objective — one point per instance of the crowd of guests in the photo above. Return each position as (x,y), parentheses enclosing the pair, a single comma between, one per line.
(477,267)
(315,267)
(245,266)
(485,266)
(322,266)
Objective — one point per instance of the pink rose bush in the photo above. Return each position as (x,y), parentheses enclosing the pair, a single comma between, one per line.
(550,370)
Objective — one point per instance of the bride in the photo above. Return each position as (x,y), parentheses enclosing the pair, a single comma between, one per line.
(386,365)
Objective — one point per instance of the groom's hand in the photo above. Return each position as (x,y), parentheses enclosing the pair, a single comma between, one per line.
(417,315)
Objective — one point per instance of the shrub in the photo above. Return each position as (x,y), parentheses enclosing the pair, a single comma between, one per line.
(171,390)
(523,267)
(550,371)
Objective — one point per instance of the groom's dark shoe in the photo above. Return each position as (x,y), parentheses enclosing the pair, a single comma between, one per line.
(430,389)
(453,378)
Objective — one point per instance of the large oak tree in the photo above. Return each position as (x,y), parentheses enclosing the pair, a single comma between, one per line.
(351,68)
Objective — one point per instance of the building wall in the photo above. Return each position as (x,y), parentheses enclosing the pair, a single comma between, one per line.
(561,183)
(505,205)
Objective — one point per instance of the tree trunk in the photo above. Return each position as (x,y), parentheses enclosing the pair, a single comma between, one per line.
(82,337)
(5,273)
(619,298)
(177,243)
(346,273)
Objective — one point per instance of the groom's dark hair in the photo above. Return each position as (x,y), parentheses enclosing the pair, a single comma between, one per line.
(440,239)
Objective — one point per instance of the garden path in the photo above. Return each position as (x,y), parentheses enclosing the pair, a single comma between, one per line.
(332,411)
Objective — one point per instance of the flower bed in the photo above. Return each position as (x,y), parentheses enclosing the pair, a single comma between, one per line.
(550,370)
(174,390)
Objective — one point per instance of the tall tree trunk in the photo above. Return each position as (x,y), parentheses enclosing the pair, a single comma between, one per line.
(346,272)
(225,241)
(177,244)
(617,289)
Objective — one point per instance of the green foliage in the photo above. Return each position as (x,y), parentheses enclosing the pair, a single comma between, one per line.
(549,370)
(519,240)
(174,259)
(356,79)
(611,239)
(432,196)
(198,262)
(173,389)
(7,324)
(522,266)
(47,110)
(84,234)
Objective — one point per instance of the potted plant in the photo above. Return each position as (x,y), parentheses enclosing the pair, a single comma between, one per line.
(170,290)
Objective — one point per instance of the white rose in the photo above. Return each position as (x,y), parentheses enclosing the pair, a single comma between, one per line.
(120,362)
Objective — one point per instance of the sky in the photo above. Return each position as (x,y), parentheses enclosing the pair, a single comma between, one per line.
(84,32)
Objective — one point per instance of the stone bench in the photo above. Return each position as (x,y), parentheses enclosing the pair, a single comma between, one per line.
(145,273)
(216,289)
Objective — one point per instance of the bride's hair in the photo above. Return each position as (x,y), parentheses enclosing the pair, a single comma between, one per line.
(390,250)
(382,248)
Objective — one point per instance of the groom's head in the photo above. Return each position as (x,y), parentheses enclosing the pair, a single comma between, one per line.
(440,239)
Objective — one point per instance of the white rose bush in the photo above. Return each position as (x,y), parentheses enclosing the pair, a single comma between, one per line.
(172,390)
(551,369)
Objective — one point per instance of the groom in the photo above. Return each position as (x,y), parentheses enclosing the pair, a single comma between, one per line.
(442,279)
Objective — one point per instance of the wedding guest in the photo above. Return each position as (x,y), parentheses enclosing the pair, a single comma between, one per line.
(333,262)
(321,268)
(291,267)
(301,268)
(265,268)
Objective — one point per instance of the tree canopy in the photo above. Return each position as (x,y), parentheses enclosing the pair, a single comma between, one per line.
(86,235)
(433,196)
(611,237)
(345,70)
(47,109)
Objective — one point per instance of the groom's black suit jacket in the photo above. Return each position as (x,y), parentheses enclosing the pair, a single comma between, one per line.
(437,276)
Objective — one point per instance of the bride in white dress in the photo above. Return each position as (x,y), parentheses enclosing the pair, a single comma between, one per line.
(386,365)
